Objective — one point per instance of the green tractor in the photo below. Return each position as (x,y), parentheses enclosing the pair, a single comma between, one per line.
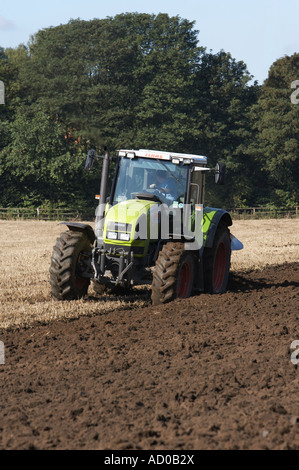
(152,229)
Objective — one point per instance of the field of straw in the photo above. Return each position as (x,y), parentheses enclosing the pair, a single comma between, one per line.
(26,247)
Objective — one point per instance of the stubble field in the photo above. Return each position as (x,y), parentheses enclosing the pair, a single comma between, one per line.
(26,247)
(113,372)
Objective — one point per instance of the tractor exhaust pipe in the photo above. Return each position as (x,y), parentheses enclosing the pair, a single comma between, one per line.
(100,212)
(105,175)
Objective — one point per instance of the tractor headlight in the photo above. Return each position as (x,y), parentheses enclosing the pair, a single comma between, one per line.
(124,237)
(112,235)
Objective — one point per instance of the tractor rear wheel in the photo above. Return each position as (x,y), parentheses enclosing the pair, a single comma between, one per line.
(173,275)
(216,262)
(70,259)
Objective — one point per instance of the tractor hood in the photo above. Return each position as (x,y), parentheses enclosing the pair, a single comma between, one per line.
(128,223)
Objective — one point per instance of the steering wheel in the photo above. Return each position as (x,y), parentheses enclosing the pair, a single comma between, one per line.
(149,194)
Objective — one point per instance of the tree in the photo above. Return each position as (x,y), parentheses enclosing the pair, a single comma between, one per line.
(223,98)
(135,80)
(276,124)
(117,81)
(165,81)
(10,60)
(38,165)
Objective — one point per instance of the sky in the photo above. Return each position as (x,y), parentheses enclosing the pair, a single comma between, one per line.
(258,32)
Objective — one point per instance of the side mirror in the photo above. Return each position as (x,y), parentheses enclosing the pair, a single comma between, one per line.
(220,173)
(90,159)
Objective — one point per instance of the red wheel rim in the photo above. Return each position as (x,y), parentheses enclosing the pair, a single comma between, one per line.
(220,266)
(184,281)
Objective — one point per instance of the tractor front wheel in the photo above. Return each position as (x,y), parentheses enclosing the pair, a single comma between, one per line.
(173,274)
(70,259)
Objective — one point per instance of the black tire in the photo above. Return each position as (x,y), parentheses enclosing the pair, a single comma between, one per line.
(70,254)
(216,262)
(173,275)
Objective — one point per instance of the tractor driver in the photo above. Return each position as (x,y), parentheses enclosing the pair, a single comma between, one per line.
(165,185)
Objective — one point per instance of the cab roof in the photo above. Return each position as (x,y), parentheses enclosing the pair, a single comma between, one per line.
(159,155)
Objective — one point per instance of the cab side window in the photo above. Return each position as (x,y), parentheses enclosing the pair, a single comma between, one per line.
(196,187)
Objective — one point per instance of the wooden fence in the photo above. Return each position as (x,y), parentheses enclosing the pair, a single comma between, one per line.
(8,213)
(266,212)
(83,214)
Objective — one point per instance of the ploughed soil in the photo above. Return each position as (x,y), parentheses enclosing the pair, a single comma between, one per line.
(209,372)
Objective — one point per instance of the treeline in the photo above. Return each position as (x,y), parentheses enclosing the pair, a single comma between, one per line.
(141,81)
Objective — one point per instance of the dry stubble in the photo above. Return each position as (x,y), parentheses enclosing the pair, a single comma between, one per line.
(26,247)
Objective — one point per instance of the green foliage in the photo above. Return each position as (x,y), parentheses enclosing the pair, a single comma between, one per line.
(38,165)
(276,123)
(140,80)
(223,100)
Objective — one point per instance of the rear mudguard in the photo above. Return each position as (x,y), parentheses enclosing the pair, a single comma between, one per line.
(211,219)
(78,227)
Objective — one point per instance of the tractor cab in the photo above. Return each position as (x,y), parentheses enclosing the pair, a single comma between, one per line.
(161,176)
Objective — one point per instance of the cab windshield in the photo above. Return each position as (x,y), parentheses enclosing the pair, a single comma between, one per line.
(164,179)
